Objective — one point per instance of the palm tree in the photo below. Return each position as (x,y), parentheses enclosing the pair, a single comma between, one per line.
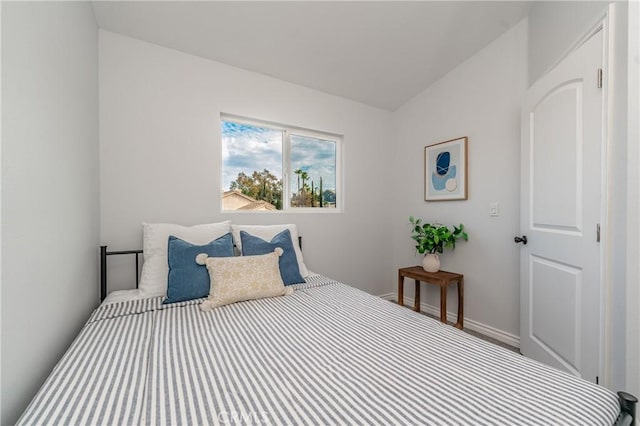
(304,176)
(313,194)
(298,172)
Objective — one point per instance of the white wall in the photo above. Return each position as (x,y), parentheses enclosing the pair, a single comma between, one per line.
(160,155)
(479,99)
(49,189)
(554,29)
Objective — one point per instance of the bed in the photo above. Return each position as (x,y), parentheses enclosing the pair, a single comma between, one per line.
(327,354)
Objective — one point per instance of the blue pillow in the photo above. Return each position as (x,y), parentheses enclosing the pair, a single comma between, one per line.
(289,270)
(188,280)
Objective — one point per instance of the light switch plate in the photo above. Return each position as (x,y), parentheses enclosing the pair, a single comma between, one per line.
(494,209)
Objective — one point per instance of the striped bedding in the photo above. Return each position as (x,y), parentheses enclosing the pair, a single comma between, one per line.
(329,354)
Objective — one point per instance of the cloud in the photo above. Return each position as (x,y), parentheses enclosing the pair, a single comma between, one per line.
(315,156)
(246,148)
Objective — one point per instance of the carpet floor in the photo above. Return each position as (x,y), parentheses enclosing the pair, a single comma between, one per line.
(480,336)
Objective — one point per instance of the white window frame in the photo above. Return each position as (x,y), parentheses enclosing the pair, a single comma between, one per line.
(287,132)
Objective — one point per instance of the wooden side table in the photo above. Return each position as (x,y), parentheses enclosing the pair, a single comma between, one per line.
(441,278)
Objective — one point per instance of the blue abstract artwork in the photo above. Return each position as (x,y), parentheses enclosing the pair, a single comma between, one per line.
(440,181)
(442,163)
(445,170)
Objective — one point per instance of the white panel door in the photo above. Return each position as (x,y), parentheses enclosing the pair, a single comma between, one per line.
(562,119)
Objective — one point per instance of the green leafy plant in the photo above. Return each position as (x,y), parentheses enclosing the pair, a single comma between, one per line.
(434,237)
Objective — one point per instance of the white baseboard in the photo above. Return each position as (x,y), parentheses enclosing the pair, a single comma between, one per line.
(487,330)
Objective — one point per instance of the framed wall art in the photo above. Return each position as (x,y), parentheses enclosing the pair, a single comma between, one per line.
(445,170)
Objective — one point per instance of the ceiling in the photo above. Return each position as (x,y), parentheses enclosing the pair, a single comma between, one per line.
(378,53)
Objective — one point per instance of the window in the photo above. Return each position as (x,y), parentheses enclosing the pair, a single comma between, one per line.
(267,167)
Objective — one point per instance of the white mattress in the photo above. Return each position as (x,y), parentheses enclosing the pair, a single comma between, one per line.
(122,296)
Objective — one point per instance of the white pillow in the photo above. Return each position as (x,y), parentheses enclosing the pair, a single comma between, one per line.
(155,243)
(235,279)
(267,232)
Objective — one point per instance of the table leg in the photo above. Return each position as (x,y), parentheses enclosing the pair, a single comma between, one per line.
(460,322)
(443,303)
(416,300)
(400,289)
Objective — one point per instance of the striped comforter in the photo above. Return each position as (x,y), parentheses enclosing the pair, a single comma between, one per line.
(328,354)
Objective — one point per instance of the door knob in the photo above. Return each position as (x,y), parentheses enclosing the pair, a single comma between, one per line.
(522,239)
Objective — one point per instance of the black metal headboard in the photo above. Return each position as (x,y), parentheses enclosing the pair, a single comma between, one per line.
(103,266)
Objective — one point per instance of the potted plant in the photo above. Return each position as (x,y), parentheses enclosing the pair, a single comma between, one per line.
(432,238)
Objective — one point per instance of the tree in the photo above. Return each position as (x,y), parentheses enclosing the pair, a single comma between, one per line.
(298,172)
(308,194)
(329,196)
(304,176)
(262,185)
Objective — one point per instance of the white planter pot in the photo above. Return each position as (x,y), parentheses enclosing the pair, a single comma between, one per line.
(431,262)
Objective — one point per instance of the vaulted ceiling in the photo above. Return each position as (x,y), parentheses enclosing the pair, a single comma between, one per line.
(377,53)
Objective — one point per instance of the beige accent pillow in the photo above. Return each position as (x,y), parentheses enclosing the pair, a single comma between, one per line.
(234,279)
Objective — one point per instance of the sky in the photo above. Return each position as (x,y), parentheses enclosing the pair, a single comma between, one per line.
(246,148)
(315,156)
